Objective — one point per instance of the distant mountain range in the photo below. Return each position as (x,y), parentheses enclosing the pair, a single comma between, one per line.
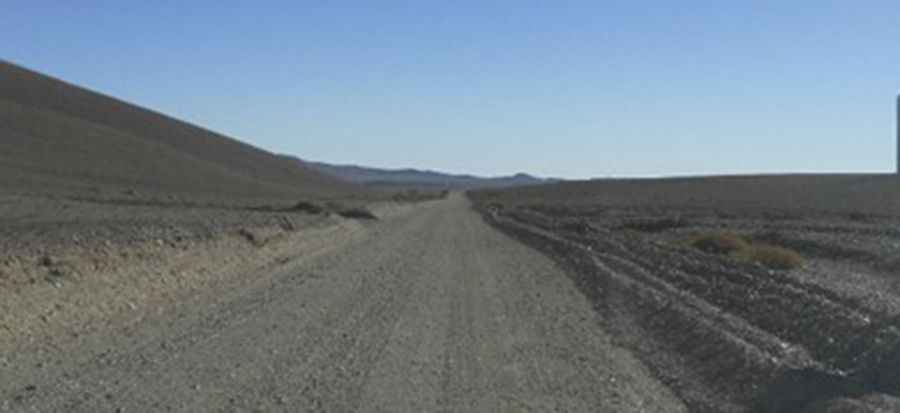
(422,179)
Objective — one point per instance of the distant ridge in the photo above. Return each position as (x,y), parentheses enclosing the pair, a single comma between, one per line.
(859,193)
(416,178)
(56,136)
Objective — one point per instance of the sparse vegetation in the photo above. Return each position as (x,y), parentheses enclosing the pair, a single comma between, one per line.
(813,248)
(308,207)
(719,243)
(579,226)
(738,247)
(655,225)
(778,258)
(859,217)
(414,195)
(733,256)
(357,213)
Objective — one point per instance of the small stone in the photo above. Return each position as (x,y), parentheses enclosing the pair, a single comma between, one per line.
(249,235)
(48,260)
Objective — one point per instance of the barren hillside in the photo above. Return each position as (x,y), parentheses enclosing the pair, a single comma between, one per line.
(57,136)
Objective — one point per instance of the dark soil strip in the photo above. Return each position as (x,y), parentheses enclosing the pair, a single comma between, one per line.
(667,308)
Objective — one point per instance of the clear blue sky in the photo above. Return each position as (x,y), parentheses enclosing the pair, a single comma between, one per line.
(561,88)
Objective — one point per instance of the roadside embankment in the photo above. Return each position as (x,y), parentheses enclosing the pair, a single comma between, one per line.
(70,270)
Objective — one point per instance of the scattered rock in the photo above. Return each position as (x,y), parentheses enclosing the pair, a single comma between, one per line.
(286,224)
(248,234)
(48,260)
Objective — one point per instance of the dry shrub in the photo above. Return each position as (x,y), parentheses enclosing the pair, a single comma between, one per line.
(859,217)
(655,225)
(773,257)
(357,213)
(307,207)
(720,243)
(736,246)
(416,195)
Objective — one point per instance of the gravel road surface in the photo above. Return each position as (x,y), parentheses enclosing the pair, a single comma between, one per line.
(430,311)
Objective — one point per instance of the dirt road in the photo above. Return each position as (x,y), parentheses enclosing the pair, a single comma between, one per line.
(430,311)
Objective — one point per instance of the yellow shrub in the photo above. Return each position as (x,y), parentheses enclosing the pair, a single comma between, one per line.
(719,243)
(736,246)
(773,257)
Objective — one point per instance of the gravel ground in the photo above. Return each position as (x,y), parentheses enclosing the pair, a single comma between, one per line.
(427,310)
(726,334)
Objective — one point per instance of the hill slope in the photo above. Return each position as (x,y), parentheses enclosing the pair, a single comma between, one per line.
(419,178)
(57,136)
